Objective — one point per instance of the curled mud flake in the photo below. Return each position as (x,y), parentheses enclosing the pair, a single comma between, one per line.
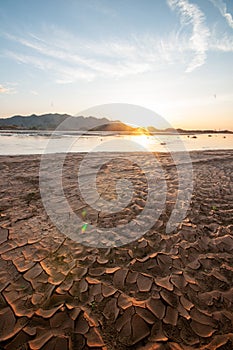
(202,317)
(124,301)
(132,277)
(60,343)
(217,274)
(18,342)
(145,314)
(169,297)
(94,339)
(125,333)
(30,330)
(171,316)
(202,330)
(183,312)
(96,271)
(83,286)
(178,281)
(61,322)
(194,265)
(156,307)
(126,317)
(219,341)
(144,283)
(79,272)
(111,310)
(37,298)
(164,282)
(48,313)
(34,272)
(41,340)
(157,333)
(190,279)
(110,270)
(94,289)
(165,261)
(101,260)
(119,278)
(74,313)
(91,280)
(140,329)
(108,290)
(186,303)
(7,323)
(3,235)
(81,325)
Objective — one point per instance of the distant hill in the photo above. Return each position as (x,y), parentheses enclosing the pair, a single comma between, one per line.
(51,122)
(117,126)
(152,129)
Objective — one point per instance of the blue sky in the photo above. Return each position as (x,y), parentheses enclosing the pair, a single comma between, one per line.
(174,57)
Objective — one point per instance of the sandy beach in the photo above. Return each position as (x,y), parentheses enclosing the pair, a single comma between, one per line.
(162,291)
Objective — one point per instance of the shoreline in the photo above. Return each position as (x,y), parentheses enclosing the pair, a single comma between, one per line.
(194,154)
(19,144)
(162,289)
(119,152)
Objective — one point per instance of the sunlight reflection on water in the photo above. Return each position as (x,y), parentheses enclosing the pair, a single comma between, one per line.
(35,142)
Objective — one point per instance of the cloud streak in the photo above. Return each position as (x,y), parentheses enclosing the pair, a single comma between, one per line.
(3,89)
(73,60)
(6,90)
(190,14)
(222,44)
(221,6)
(68,58)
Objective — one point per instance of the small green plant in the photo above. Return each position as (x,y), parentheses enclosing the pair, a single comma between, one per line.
(214,207)
(22,287)
(93,305)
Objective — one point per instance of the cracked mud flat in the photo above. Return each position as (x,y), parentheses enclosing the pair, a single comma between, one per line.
(162,291)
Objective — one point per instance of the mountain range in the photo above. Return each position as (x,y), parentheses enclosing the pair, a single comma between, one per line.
(51,121)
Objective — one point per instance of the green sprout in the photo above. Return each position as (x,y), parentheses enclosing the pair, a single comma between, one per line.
(84,227)
(93,305)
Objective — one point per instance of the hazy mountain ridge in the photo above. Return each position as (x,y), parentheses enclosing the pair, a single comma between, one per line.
(51,121)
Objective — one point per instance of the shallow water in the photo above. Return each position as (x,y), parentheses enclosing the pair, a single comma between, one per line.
(38,142)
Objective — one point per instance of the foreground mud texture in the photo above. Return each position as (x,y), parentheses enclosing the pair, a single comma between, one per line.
(162,291)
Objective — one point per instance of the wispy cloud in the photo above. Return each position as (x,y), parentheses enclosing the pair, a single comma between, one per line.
(62,71)
(68,58)
(222,7)
(72,59)
(190,14)
(3,90)
(6,89)
(222,43)
(33,92)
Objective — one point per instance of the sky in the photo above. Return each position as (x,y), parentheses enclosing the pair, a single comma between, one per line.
(174,57)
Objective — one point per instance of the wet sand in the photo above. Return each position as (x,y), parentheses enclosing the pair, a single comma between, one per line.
(162,291)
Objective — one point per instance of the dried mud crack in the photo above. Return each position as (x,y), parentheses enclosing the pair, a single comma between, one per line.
(162,291)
